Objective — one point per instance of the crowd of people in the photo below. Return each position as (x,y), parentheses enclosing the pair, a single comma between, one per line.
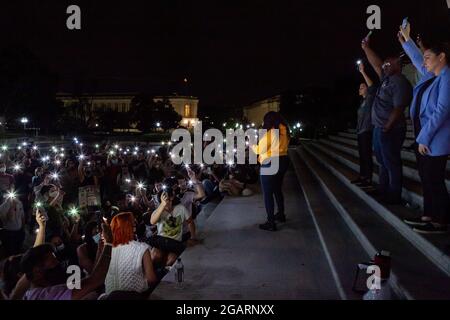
(382,125)
(121,214)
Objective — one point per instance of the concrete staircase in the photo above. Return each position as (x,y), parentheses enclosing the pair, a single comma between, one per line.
(420,264)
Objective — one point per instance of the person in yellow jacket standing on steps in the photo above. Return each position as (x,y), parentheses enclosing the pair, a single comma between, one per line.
(272,149)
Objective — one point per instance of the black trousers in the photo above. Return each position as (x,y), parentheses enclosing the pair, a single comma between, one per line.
(436,201)
(272,187)
(365,155)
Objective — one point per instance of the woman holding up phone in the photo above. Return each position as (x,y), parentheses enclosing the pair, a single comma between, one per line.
(430,114)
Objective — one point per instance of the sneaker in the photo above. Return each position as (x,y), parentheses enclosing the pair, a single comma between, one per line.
(365,185)
(268,226)
(430,228)
(421,221)
(356,181)
(280,217)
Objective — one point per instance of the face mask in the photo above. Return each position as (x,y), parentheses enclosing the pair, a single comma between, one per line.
(60,247)
(3,170)
(56,275)
(53,194)
(96,238)
(148,232)
(114,161)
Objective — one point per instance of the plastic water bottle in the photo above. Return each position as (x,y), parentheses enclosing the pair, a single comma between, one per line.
(179,272)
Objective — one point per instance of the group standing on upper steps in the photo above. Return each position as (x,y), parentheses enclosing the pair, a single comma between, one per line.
(382,125)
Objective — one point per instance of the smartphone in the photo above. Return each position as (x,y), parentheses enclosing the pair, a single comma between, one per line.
(99,217)
(405,23)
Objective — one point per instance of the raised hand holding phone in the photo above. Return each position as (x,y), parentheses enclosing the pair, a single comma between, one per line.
(405,29)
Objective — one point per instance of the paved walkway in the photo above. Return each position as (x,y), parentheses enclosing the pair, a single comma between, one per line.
(239,261)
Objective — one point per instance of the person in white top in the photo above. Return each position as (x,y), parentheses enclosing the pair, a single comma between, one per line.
(169,218)
(131,267)
(12,217)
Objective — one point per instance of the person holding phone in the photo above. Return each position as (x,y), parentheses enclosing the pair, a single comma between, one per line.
(394,94)
(12,217)
(169,218)
(430,114)
(364,130)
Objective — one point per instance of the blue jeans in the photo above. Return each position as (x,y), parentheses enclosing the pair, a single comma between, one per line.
(272,187)
(387,148)
(209,187)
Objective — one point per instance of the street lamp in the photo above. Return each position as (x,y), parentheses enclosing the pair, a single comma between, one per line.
(158,124)
(24,121)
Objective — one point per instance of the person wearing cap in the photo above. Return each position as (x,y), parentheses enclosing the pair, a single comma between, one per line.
(394,94)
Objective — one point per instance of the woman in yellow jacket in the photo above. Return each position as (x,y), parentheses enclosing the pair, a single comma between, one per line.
(272,155)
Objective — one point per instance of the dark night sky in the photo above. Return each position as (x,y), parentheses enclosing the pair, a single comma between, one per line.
(232,51)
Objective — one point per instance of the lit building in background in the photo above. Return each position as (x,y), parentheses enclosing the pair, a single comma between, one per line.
(255,112)
(185,106)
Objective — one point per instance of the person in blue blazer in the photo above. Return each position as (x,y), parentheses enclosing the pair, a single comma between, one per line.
(430,114)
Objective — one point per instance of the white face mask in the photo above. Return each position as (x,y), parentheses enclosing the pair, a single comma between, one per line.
(53,194)
(96,238)
(60,247)
(3,169)
(148,232)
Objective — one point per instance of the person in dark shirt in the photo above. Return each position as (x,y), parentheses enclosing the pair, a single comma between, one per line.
(364,130)
(393,96)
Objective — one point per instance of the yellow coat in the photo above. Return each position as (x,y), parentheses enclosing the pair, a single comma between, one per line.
(271,145)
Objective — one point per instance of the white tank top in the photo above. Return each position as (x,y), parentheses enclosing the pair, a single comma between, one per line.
(125,271)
